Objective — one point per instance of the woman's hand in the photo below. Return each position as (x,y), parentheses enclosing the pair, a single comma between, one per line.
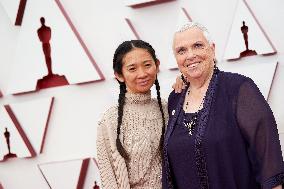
(178,85)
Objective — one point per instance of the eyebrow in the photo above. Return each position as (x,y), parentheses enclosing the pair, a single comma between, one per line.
(130,65)
(183,46)
(143,62)
(199,42)
(179,47)
(149,60)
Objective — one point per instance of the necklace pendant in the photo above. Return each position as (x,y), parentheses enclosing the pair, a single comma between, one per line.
(189,126)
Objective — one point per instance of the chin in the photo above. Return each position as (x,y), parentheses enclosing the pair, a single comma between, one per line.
(140,90)
(145,90)
(193,75)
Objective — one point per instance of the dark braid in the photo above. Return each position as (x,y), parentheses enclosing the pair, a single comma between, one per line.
(163,115)
(121,102)
(120,52)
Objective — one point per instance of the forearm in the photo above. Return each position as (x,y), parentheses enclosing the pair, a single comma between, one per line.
(105,165)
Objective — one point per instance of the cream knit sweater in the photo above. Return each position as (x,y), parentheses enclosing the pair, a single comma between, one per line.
(140,135)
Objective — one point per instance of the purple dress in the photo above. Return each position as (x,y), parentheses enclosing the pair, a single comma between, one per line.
(235,144)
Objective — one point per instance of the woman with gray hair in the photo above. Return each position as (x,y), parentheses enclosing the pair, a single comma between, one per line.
(221,132)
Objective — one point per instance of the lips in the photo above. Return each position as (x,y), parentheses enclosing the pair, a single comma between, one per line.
(143,83)
(192,65)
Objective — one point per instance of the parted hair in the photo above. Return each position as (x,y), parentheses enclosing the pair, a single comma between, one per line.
(119,54)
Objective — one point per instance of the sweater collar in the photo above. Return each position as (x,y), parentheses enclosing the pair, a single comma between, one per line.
(138,98)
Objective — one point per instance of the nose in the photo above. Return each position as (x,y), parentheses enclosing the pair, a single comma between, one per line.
(190,55)
(141,73)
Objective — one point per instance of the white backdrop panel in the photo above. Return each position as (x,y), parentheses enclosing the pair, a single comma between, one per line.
(68,56)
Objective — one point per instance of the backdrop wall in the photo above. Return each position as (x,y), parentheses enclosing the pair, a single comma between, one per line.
(66,125)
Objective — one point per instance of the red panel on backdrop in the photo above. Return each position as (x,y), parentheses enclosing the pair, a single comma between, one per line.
(85,179)
(46,125)
(80,39)
(20,14)
(83,173)
(150,3)
(186,14)
(132,28)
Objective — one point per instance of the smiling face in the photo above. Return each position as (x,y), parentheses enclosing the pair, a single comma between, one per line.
(139,71)
(193,53)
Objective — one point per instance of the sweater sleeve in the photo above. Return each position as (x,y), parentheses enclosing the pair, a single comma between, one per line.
(105,166)
(259,128)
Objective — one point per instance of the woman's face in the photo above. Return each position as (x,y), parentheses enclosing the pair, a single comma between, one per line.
(194,55)
(139,71)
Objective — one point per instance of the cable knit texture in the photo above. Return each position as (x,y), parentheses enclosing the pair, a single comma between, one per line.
(140,136)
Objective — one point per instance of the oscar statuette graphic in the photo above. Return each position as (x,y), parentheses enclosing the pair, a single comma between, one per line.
(51,79)
(7,137)
(246,52)
(96,186)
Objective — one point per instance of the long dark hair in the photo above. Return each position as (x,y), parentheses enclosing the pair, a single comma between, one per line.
(120,52)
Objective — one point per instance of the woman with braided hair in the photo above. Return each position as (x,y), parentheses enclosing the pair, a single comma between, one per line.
(130,135)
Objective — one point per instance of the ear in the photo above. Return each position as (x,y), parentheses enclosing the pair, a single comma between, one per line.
(158,65)
(119,77)
(213,47)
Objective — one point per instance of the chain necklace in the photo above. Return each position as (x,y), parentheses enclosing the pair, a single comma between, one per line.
(192,122)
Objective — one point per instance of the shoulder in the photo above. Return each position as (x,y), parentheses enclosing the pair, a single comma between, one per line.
(155,100)
(156,108)
(164,103)
(232,78)
(109,116)
(173,96)
(232,84)
(233,81)
(173,100)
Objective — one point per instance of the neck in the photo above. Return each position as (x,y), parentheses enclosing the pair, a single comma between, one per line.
(201,82)
(138,98)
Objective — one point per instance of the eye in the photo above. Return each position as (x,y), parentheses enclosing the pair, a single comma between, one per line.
(131,69)
(198,46)
(181,51)
(148,65)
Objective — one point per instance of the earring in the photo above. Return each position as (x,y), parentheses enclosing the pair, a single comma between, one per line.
(215,65)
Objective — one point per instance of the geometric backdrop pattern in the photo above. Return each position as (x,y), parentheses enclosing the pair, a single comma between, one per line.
(15,10)
(81,173)
(254,71)
(246,35)
(24,136)
(94,28)
(52,43)
(183,18)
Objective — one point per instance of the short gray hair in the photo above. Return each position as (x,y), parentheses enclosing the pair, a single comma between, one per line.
(199,26)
